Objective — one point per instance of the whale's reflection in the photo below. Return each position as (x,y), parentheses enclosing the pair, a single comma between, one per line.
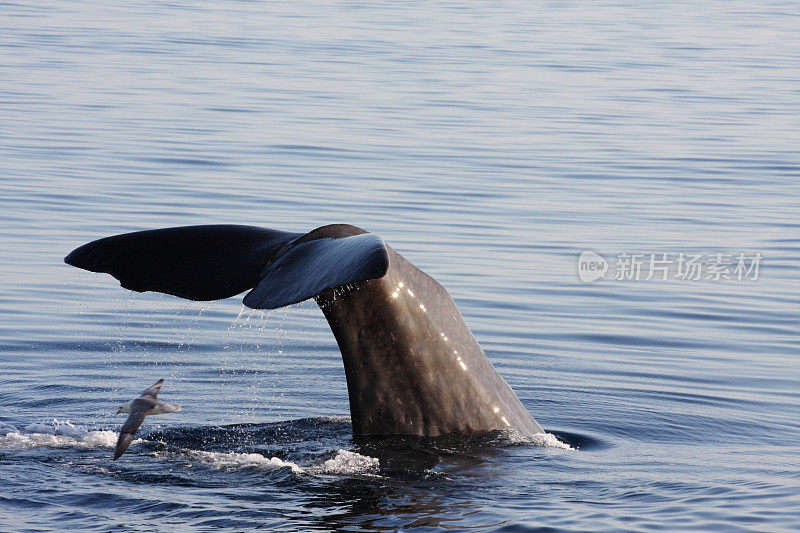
(421,482)
(355,505)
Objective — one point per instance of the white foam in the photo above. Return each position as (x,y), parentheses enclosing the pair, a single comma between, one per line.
(103,439)
(547,440)
(344,462)
(347,462)
(57,427)
(5,429)
(92,439)
(228,460)
(58,433)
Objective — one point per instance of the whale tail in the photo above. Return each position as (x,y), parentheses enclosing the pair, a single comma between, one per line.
(412,365)
(218,261)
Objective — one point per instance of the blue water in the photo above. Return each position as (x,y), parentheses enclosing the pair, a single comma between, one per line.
(488,142)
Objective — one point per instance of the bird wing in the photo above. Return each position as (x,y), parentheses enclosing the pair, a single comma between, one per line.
(162,407)
(139,410)
(153,391)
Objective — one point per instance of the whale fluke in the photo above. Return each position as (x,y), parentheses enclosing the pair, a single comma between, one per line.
(412,365)
(220,261)
(311,267)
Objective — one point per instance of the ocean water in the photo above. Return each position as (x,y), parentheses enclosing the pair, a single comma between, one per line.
(490,143)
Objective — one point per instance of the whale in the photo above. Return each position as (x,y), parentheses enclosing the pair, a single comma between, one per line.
(412,365)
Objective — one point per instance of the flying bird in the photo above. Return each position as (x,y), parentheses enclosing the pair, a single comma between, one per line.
(138,409)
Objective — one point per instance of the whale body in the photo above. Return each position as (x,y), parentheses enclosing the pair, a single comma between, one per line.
(412,365)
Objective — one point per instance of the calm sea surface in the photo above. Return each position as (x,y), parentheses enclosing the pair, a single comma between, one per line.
(490,143)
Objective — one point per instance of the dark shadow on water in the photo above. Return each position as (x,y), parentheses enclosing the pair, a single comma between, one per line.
(309,434)
(418,457)
(581,442)
(451,482)
(389,505)
(420,482)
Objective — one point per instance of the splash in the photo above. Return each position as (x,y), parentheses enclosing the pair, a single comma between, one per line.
(347,463)
(343,463)
(234,460)
(549,440)
(56,434)
(546,440)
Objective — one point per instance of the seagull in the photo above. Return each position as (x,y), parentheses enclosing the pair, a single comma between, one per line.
(139,408)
